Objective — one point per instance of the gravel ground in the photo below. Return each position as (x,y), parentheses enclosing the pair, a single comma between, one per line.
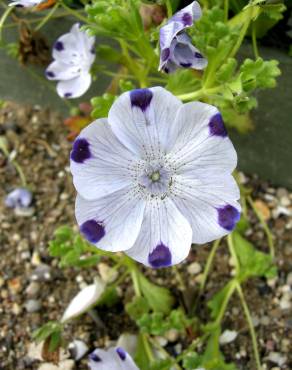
(34,290)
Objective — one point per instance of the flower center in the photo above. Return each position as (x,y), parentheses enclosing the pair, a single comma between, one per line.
(155,179)
(155,176)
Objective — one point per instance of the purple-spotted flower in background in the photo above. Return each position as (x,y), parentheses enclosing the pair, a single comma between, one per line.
(74,55)
(112,359)
(155,177)
(176,49)
(18,198)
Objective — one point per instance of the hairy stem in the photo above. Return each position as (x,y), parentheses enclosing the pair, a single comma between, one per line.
(251,327)
(209,264)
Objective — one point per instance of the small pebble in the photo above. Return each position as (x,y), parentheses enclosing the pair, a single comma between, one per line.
(277,358)
(33,305)
(42,273)
(78,349)
(194,268)
(227,336)
(265,320)
(33,289)
(172,335)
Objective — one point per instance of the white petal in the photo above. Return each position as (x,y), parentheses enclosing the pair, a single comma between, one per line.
(58,70)
(87,297)
(26,3)
(143,120)
(193,10)
(111,223)
(165,238)
(112,359)
(209,202)
(202,140)
(75,87)
(106,167)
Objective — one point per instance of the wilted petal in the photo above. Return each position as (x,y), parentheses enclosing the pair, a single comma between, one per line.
(111,223)
(165,238)
(75,87)
(100,164)
(112,359)
(86,298)
(143,120)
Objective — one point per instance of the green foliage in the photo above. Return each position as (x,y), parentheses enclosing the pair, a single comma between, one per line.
(137,307)
(183,81)
(51,331)
(101,105)
(71,249)
(158,324)
(161,364)
(253,263)
(158,298)
(109,297)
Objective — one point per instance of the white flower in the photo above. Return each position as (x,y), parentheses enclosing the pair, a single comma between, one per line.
(155,177)
(74,55)
(86,298)
(26,3)
(112,359)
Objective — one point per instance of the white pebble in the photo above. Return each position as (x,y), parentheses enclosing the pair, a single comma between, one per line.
(227,336)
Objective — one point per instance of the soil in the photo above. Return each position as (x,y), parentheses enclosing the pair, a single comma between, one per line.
(37,140)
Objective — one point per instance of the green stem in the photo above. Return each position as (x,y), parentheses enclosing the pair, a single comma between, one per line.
(208,265)
(168,8)
(146,345)
(227,297)
(254,41)
(251,327)
(233,253)
(196,95)
(264,225)
(4,17)
(135,279)
(15,164)
(47,17)
(75,13)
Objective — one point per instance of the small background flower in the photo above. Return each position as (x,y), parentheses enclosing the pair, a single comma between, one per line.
(176,47)
(112,359)
(74,55)
(19,197)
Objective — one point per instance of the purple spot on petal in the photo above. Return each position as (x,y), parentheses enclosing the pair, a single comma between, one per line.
(166,70)
(80,151)
(165,54)
(187,19)
(198,55)
(141,98)
(186,65)
(94,357)
(59,46)
(92,50)
(216,126)
(228,216)
(160,256)
(122,354)
(67,95)
(19,6)
(92,230)
(50,74)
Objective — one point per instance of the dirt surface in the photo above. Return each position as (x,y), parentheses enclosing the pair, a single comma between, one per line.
(33,289)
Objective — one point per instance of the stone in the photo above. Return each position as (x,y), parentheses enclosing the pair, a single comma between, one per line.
(107,273)
(228,336)
(78,349)
(33,289)
(277,358)
(194,268)
(42,273)
(63,365)
(33,305)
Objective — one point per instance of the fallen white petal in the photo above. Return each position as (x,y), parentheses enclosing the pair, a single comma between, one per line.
(83,300)
(227,336)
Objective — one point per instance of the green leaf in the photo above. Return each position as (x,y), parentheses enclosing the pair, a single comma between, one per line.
(183,81)
(47,330)
(165,364)
(159,298)
(252,262)
(109,297)
(101,105)
(141,357)
(192,361)
(137,307)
